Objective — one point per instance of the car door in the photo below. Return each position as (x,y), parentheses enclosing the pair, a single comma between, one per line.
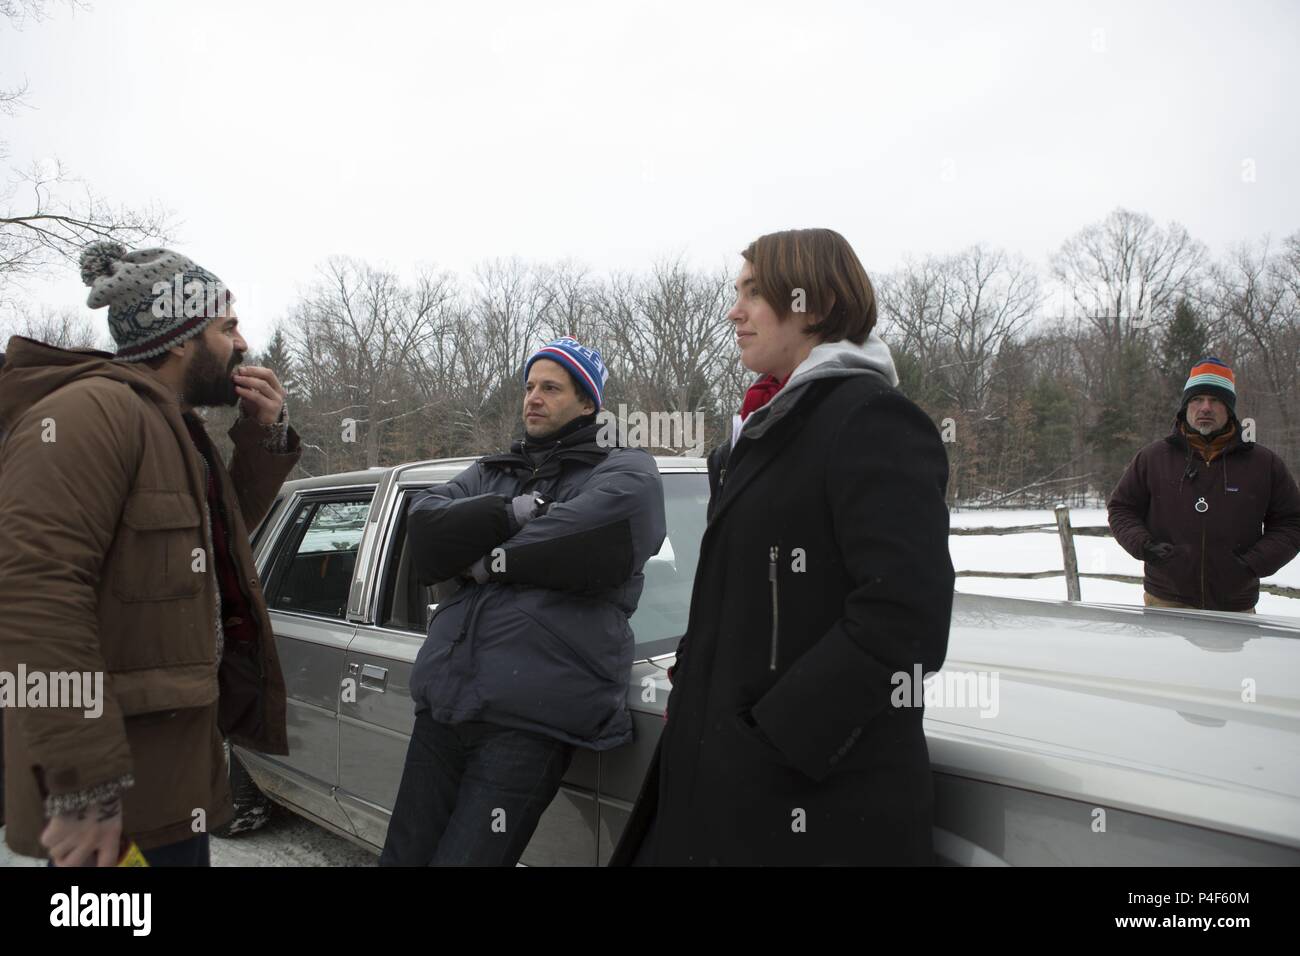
(375,727)
(308,582)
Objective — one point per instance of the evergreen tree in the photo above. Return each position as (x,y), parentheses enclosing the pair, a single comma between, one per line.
(1186,340)
(277,357)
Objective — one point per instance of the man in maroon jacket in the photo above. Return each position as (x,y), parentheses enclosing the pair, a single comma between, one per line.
(1209,513)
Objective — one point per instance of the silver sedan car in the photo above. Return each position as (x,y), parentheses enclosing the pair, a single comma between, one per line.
(1059,733)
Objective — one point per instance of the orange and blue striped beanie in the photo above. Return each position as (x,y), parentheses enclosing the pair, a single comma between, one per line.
(1209,376)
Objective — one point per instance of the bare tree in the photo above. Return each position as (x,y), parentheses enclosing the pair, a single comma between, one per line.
(503,324)
(64,329)
(1257,293)
(956,313)
(353,339)
(1125,272)
(670,342)
(46,214)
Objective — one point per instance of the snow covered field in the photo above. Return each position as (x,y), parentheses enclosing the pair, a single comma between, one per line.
(1042,552)
(289,840)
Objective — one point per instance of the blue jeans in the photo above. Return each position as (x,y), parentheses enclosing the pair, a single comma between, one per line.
(471,794)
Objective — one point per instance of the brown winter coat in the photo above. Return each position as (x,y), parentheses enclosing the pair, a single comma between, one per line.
(98,528)
(1248,525)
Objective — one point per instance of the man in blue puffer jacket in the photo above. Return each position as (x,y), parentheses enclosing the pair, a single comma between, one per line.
(531,657)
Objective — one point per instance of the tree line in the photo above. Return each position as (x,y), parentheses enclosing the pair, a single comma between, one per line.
(1044,379)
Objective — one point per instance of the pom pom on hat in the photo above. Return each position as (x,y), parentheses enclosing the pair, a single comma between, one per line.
(100,259)
(156,298)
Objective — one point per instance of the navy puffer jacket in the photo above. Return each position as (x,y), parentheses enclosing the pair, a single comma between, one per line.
(544,644)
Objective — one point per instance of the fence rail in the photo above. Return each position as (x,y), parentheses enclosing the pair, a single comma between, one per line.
(1071,571)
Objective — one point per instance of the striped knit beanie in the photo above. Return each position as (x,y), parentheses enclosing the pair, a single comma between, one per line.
(156,298)
(1211,377)
(581,362)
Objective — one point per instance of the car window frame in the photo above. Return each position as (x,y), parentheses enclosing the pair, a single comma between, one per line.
(387,561)
(290,537)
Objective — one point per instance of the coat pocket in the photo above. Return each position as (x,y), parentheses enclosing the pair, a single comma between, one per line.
(154,553)
(569,649)
(753,740)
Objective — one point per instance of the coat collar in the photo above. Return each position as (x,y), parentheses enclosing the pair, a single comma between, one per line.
(827,360)
(1178,440)
(754,454)
(547,459)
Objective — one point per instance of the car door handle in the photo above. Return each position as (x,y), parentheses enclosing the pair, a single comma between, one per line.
(374,678)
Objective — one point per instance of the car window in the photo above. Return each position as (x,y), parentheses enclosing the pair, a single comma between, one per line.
(317,556)
(669,575)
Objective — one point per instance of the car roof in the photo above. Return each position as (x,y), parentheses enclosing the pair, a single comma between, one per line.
(439,469)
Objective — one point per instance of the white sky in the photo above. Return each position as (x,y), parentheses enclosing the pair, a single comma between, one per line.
(615,133)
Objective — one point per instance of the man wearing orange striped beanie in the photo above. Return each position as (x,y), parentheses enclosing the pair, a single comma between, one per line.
(1208,511)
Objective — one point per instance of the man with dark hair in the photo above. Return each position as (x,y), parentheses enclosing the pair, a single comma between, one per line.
(531,657)
(1207,511)
(126,556)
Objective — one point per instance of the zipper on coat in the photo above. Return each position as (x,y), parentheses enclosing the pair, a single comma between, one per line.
(1202,563)
(773,554)
(722,476)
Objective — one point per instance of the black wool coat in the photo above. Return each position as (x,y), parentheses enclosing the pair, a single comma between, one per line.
(824,571)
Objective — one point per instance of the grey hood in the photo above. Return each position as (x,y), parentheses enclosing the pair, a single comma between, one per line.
(827,360)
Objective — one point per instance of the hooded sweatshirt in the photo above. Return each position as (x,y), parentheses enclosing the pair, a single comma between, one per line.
(826,360)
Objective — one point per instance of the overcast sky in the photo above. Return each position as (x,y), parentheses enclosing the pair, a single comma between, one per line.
(615,133)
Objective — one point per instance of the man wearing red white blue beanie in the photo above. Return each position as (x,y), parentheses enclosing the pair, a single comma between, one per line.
(531,658)
(1208,510)
(580,361)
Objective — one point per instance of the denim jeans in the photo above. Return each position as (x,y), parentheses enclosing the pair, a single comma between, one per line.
(471,794)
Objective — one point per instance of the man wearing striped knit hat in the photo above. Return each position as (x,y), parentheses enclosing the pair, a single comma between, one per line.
(1208,510)
(531,657)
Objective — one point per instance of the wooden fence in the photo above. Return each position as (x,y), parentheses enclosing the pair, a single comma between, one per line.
(1070,569)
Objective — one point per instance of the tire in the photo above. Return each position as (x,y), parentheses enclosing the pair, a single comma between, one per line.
(252,808)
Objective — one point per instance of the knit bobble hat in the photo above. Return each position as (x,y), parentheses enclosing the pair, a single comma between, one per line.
(156,298)
(1210,376)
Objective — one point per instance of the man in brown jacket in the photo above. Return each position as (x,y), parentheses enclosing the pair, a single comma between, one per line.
(1208,512)
(125,555)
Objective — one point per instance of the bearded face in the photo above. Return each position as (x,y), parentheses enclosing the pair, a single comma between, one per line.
(208,381)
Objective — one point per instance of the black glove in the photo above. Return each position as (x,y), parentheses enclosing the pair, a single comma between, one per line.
(1239,553)
(1157,551)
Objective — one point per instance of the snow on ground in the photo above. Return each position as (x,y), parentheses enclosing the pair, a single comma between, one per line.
(289,840)
(1042,552)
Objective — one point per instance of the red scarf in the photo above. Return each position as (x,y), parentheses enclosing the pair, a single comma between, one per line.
(760,393)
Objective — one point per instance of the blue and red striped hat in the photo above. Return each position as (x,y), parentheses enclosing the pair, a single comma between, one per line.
(580,361)
(1209,376)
